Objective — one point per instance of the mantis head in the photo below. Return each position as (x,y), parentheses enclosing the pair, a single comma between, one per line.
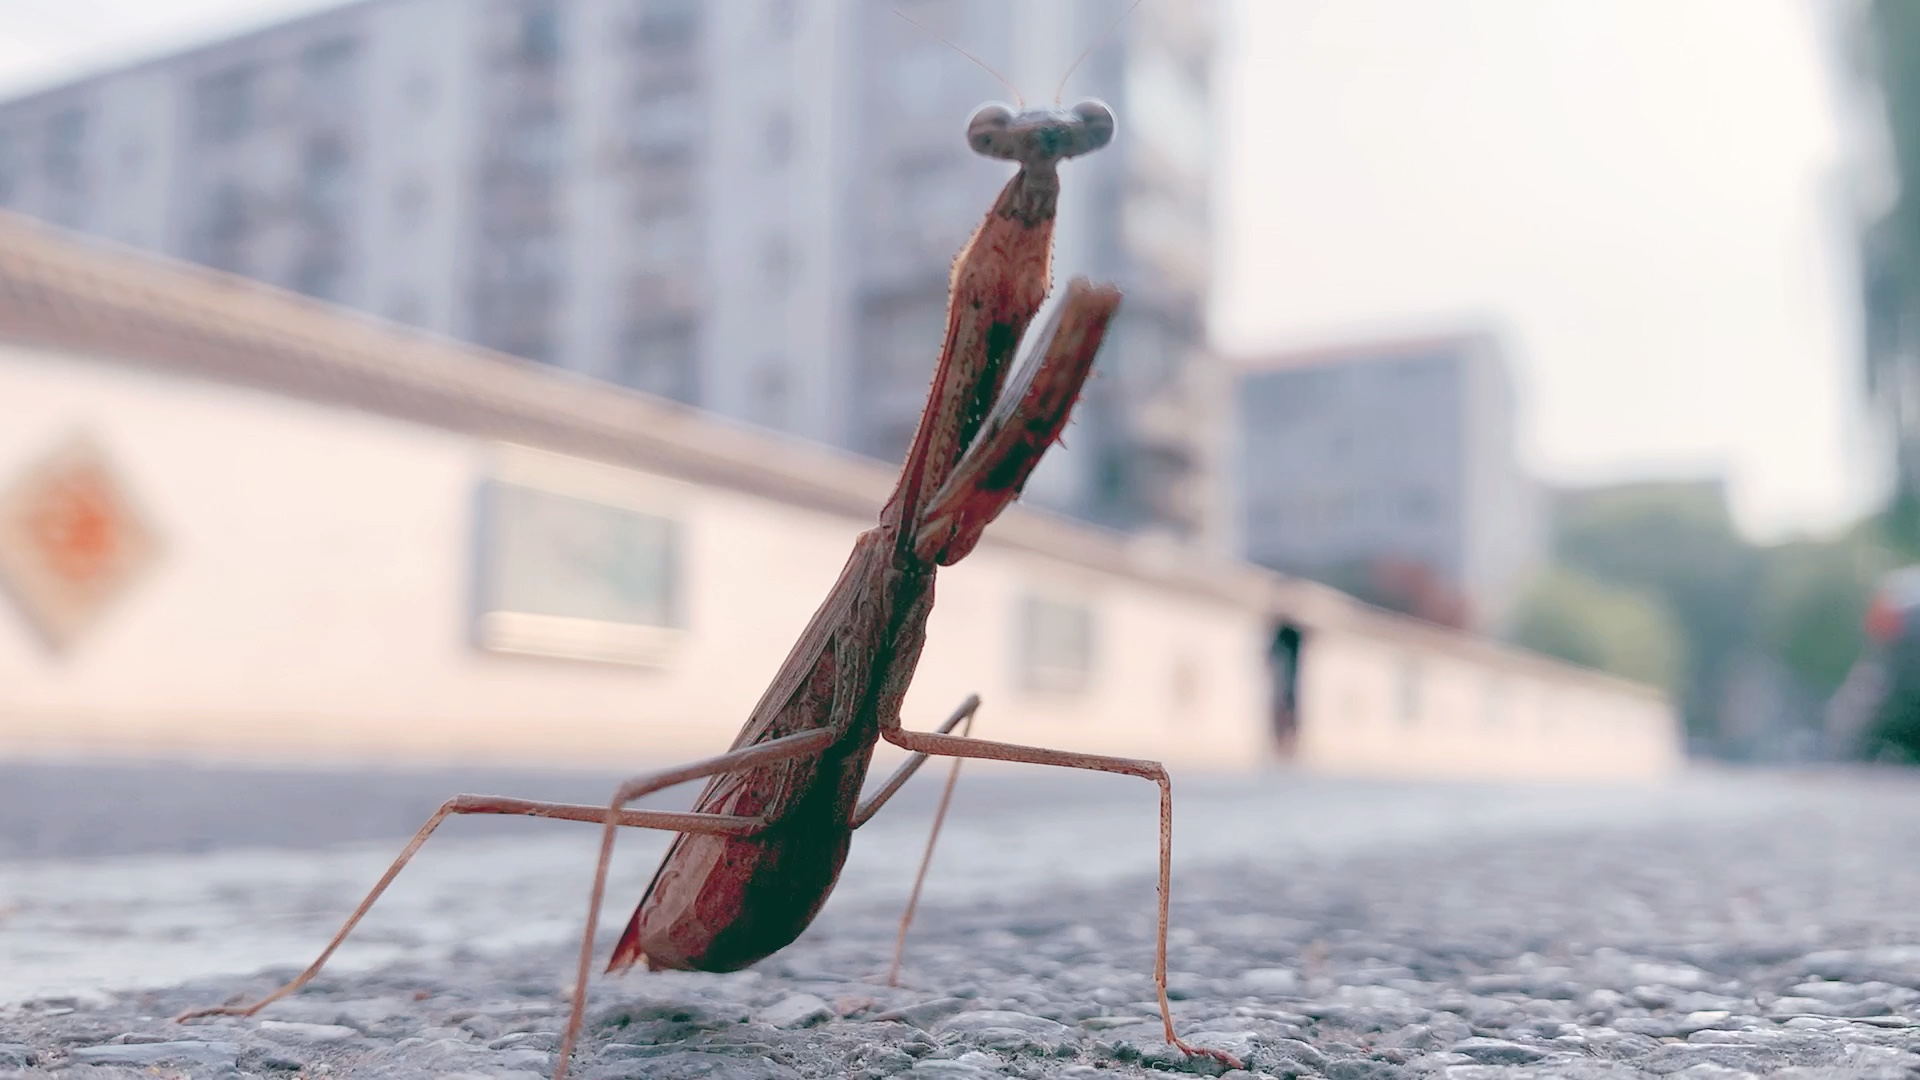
(1040,136)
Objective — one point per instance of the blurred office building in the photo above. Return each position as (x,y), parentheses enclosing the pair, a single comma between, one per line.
(748,207)
(1388,468)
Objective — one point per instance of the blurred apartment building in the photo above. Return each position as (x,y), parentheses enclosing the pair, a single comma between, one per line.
(749,207)
(1388,468)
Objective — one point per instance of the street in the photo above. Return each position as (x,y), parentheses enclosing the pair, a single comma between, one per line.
(1757,923)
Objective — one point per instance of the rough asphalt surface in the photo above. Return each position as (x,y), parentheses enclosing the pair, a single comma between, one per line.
(1720,927)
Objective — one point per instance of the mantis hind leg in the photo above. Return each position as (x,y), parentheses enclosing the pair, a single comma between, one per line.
(963,719)
(486,804)
(960,747)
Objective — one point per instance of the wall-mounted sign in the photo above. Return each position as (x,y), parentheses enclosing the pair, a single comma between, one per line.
(72,541)
(575,563)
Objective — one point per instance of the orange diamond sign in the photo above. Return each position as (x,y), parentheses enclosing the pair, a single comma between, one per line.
(71,541)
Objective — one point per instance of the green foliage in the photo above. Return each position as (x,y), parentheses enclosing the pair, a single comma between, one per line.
(1675,542)
(1886,49)
(1627,632)
(1812,597)
(1800,603)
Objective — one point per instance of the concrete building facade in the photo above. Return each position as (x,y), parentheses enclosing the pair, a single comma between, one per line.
(749,207)
(1397,450)
(237,524)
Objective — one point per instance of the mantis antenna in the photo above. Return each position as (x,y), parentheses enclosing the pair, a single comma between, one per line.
(1018,100)
(1088,51)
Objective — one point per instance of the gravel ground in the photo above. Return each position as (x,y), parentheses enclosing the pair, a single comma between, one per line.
(1724,926)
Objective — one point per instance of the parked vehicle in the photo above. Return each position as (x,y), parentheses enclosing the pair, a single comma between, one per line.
(1875,715)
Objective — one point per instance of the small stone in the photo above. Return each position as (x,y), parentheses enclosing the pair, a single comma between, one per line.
(15,1055)
(1497,1051)
(1009,1032)
(1108,1023)
(1297,1052)
(286,1031)
(928,1014)
(1674,1057)
(949,1069)
(481,1027)
(1710,1071)
(691,1065)
(537,1060)
(796,1011)
(1669,1027)
(189,1052)
(982,1019)
(1361,1068)
(665,1016)
(1270,980)
(886,1060)
(1410,1037)
(526,1040)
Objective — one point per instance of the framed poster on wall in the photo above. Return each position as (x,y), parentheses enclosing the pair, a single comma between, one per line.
(578,560)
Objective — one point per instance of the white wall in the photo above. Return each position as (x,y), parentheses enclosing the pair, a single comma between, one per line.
(313,603)
(1471,719)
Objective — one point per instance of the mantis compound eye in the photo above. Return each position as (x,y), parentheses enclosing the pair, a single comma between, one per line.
(988,132)
(1096,126)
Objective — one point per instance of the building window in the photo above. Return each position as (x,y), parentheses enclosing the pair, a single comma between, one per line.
(660,359)
(224,105)
(934,199)
(226,229)
(1056,641)
(327,66)
(66,148)
(667,24)
(326,168)
(667,123)
(320,276)
(770,386)
(539,42)
(563,575)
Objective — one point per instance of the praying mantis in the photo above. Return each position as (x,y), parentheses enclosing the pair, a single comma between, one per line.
(763,845)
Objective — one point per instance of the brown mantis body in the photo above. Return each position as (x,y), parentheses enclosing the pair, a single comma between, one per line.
(764,843)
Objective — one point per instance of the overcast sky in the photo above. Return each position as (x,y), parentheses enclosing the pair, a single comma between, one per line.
(1642,193)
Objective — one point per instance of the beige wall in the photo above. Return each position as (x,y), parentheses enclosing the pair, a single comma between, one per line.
(313,598)
(1375,705)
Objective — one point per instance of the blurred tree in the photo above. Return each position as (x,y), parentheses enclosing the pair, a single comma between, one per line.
(1885,44)
(1812,602)
(1627,632)
(1675,542)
